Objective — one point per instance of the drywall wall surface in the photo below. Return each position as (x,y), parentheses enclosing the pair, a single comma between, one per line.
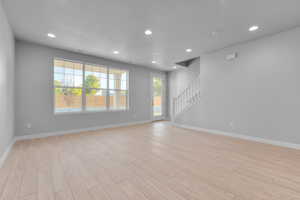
(35,100)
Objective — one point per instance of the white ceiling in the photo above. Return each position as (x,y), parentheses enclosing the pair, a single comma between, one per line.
(98,27)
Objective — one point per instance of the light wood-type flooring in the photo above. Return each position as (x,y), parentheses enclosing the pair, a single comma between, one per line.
(154,161)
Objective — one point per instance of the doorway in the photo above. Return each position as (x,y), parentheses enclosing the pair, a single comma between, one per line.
(158,97)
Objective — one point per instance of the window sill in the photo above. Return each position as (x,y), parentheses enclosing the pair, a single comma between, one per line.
(88,112)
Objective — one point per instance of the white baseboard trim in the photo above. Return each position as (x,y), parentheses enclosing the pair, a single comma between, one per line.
(57,133)
(240,136)
(6,152)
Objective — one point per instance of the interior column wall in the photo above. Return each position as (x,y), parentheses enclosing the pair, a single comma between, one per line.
(7,46)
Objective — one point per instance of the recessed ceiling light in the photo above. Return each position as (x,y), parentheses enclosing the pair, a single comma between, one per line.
(116,52)
(51,35)
(188,50)
(148,32)
(153,62)
(253,28)
(174,67)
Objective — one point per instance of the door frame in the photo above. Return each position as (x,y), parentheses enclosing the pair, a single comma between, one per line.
(164,95)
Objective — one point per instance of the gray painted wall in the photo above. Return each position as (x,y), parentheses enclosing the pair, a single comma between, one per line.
(6,82)
(255,95)
(34,92)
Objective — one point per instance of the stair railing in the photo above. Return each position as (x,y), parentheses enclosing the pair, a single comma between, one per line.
(188,97)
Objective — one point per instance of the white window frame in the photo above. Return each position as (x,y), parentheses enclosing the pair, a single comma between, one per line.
(83,96)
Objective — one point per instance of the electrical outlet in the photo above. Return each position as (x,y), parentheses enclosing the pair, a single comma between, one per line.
(231,124)
(28,125)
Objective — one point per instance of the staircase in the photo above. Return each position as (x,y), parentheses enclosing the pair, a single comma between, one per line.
(187,98)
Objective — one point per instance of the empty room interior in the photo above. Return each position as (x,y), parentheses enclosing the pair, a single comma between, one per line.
(150,100)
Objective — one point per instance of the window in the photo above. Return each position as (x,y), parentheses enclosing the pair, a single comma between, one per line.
(89,87)
(68,86)
(95,88)
(117,89)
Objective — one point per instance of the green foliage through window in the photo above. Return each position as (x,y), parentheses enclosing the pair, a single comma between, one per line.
(90,82)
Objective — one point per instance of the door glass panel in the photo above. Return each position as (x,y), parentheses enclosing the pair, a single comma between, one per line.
(157,96)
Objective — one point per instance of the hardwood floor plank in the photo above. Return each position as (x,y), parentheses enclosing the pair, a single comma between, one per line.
(30,197)
(45,186)
(132,192)
(30,178)
(98,193)
(154,161)
(12,187)
(8,168)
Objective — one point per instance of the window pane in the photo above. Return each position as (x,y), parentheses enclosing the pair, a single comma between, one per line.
(157,96)
(117,100)
(67,73)
(95,76)
(68,99)
(95,100)
(118,79)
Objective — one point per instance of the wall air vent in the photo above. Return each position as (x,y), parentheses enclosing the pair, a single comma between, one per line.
(187,63)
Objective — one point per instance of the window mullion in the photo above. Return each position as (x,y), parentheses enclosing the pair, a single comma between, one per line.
(83,96)
(107,91)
